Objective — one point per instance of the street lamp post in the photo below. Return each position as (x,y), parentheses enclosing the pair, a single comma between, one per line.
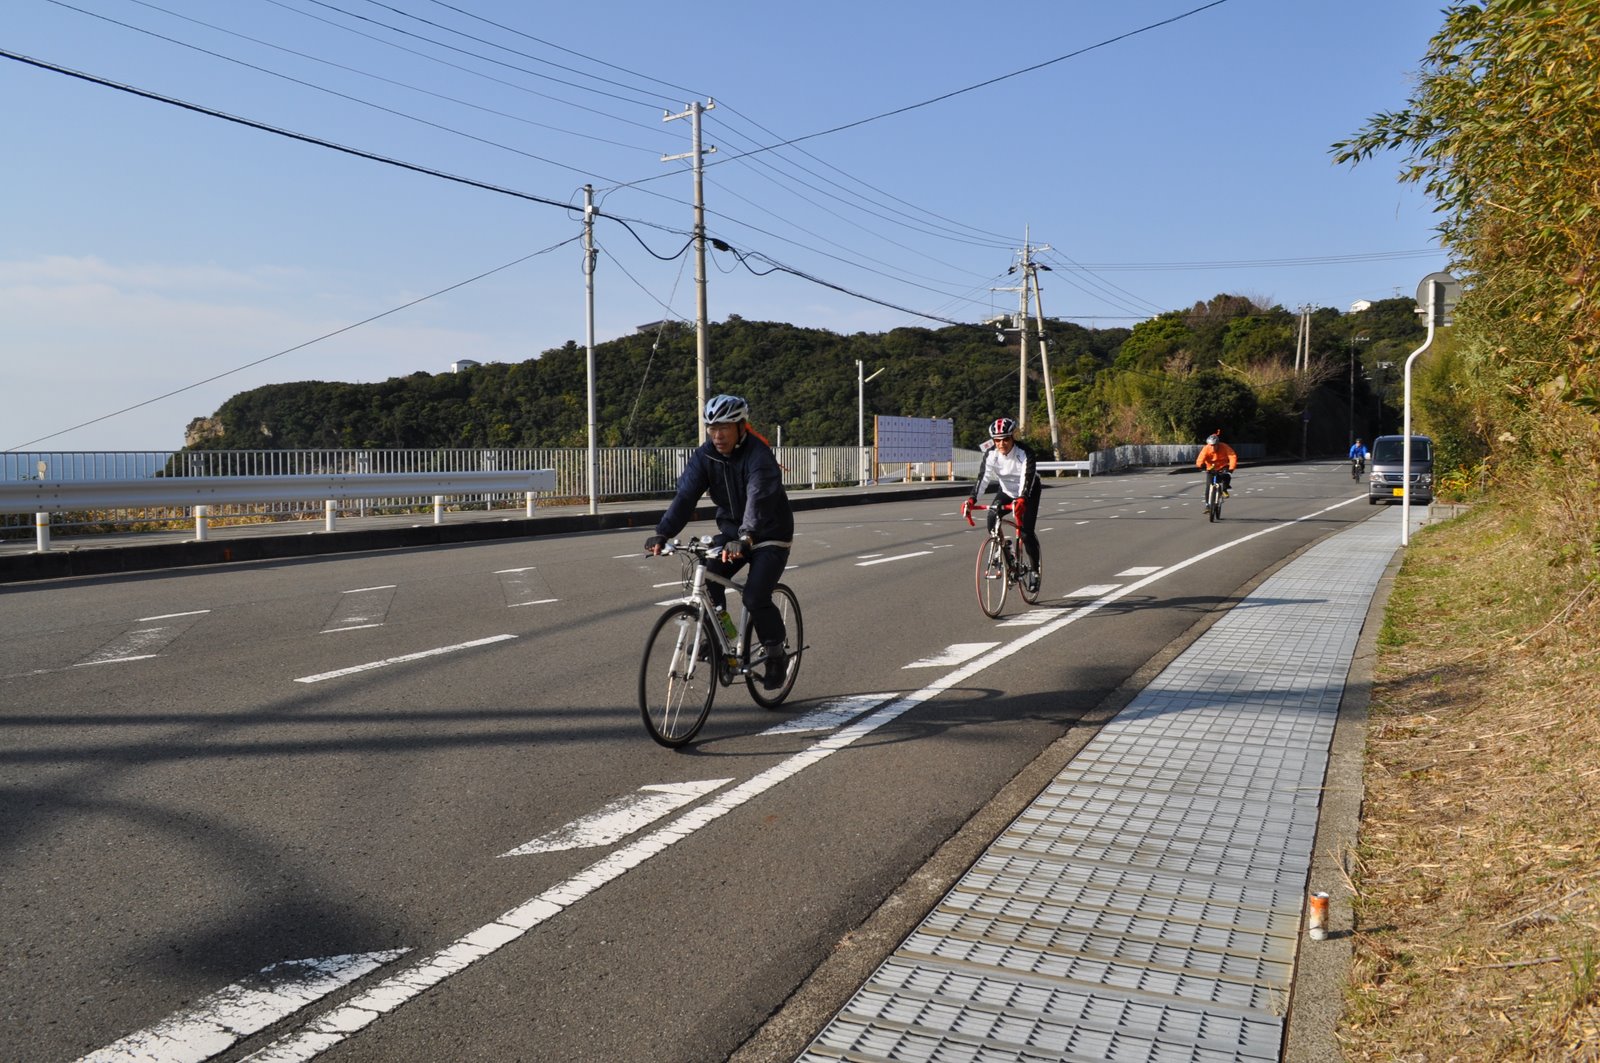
(861,420)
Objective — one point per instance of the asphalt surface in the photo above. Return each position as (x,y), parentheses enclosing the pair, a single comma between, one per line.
(851,958)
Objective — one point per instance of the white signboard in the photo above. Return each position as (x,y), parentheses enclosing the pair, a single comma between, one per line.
(909,439)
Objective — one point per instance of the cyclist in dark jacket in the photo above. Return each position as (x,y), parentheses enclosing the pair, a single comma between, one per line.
(755,525)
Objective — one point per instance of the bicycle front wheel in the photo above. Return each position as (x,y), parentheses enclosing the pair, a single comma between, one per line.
(992,577)
(794,643)
(678,676)
(1030,592)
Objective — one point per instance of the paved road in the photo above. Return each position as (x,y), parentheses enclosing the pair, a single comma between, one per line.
(228,777)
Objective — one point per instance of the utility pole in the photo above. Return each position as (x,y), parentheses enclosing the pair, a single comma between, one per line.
(1020,325)
(1044,359)
(588,292)
(1022,344)
(693,112)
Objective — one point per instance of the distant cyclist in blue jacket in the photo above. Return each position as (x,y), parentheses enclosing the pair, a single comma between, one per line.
(1358,458)
(755,525)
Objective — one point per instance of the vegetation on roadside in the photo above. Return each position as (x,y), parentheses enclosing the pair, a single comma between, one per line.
(1477,873)
(1477,883)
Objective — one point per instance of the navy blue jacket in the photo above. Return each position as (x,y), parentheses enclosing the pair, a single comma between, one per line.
(746,486)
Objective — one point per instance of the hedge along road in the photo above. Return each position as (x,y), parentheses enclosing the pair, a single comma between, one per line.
(459,808)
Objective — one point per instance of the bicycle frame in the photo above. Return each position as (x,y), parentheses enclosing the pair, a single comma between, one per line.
(698,597)
(1010,551)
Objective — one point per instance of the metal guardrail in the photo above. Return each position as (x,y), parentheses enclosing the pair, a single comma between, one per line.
(199,493)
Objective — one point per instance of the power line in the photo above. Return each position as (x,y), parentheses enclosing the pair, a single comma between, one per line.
(301,346)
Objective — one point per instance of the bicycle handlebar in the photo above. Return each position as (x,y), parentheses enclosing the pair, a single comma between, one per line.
(1014,507)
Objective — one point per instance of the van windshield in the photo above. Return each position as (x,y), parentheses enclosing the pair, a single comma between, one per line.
(1391,451)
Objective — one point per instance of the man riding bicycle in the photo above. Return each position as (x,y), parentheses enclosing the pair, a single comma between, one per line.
(1358,456)
(1216,456)
(755,525)
(1010,466)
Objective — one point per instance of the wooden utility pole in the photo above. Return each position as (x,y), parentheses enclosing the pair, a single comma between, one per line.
(702,341)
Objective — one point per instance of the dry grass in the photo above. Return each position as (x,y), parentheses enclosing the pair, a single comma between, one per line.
(1478,867)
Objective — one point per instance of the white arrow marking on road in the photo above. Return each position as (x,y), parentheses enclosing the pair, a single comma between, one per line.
(620,818)
(249,1005)
(831,714)
(954,654)
(896,557)
(386,662)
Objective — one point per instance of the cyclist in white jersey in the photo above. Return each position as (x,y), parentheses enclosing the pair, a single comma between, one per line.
(1009,466)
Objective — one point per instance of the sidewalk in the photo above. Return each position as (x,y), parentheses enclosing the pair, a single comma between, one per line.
(1150,903)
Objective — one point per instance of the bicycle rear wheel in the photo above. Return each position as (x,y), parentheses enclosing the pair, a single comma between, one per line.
(794,643)
(676,686)
(992,577)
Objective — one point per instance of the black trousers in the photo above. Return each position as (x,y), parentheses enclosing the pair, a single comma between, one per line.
(766,567)
(1030,513)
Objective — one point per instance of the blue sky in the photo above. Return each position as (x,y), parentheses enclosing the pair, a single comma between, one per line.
(147,248)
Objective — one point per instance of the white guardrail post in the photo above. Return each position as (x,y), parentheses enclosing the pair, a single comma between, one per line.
(44,497)
(438,509)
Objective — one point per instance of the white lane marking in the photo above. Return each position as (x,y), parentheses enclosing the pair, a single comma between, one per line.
(172,616)
(1140,570)
(669,583)
(1094,590)
(142,643)
(896,557)
(530,568)
(614,557)
(953,654)
(351,627)
(129,645)
(863,557)
(1029,619)
(620,818)
(362,607)
(1081,523)
(91,664)
(249,1005)
(830,714)
(387,661)
(519,586)
(365,1008)
(536,601)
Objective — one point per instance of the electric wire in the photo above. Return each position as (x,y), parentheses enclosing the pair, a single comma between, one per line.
(331,92)
(302,346)
(358,72)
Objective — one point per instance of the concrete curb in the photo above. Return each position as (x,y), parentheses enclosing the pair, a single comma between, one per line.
(1322,968)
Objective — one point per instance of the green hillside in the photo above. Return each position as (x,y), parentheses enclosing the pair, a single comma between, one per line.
(1170,379)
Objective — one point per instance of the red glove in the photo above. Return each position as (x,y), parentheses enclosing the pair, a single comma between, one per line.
(966,511)
(1017,509)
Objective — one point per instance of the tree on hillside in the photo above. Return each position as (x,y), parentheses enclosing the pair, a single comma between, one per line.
(1503,132)
(1202,402)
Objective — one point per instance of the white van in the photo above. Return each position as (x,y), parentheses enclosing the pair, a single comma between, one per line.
(1386,470)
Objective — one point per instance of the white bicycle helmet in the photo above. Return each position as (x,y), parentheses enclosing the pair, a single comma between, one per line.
(727,409)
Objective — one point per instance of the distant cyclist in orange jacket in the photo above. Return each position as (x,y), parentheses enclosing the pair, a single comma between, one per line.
(1216,456)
